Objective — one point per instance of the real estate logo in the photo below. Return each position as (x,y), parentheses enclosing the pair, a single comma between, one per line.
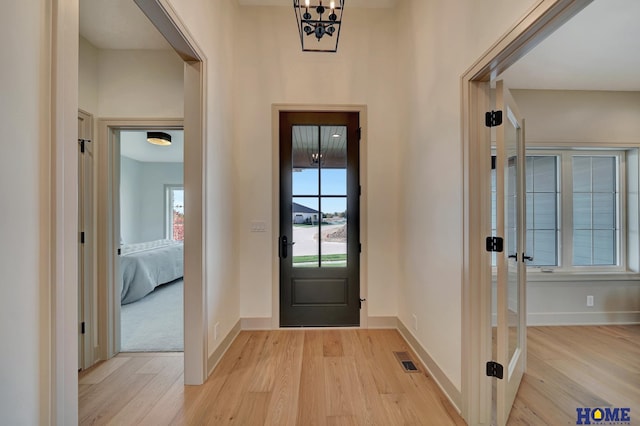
(603,416)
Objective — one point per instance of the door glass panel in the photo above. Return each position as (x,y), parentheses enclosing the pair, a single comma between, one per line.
(306,229)
(511,222)
(319,184)
(333,164)
(306,160)
(334,232)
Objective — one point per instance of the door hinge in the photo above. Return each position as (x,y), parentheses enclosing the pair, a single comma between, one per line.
(359,133)
(82,143)
(362,300)
(493,118)
(359,247)
(359,189)
(82,238)
(82,330)
(119,251)
(495,244)
(494,369)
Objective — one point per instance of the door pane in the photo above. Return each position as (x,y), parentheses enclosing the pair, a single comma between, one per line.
(512,197)
(305,160)
(306,228)
(334,232)
(333,149)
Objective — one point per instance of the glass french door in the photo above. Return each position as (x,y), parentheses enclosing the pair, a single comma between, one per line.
(510,265)
(319,245)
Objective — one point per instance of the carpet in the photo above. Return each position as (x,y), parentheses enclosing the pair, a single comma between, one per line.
(154,323)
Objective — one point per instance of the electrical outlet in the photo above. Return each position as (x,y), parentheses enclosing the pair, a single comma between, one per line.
(415,322)
(215,332)
(589,300)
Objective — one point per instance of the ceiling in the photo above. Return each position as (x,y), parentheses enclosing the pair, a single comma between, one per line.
(348,3)
(599,49)
(133,144)
(118,24)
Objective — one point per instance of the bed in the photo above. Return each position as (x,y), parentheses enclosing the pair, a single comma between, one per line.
(145,266)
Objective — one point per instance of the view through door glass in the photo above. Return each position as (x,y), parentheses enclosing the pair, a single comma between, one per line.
(319,242)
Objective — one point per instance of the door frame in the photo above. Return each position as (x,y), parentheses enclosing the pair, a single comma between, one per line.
(87,288)
(275,200)
(109,225)
(541,20)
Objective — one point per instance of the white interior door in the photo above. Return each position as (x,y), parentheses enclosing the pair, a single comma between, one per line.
(511,268)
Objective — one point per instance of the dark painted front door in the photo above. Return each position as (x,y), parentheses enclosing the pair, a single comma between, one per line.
(319,241)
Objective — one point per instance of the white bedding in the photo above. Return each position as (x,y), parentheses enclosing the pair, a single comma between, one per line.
(144,266)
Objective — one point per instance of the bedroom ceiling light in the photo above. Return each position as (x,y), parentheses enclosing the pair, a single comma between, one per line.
(159,138)
(317,20)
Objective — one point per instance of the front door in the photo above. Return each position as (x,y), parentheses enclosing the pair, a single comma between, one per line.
(319,242)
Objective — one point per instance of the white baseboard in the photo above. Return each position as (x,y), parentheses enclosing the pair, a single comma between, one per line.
(217,355)
(448,388)
(382,322)
(264,323)
(583,318)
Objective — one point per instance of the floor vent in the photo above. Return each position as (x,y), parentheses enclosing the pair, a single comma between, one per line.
(406,362)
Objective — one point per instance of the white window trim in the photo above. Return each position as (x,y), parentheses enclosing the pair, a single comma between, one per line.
(565,211)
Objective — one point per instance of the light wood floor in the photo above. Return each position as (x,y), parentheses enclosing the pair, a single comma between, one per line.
(297,377)
(351,377)
(571,367)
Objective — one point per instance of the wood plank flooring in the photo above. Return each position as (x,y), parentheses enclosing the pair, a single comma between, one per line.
(581,366)
(351,377)
(282,377)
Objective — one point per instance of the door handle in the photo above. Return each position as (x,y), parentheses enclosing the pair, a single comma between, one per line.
(513,256)
(529,258)
(284,246)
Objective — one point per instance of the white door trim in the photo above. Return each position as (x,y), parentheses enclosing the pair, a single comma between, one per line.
(540,21)
(108,148)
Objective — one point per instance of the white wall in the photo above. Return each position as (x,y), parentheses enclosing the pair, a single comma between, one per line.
(140,84)
(88,77)
(439,41)
(273,69)
(142,198)
(25,372)
(211,25)
(130,83)
(588,117)
(129,200)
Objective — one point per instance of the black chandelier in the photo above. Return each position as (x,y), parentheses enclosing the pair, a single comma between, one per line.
(319,24)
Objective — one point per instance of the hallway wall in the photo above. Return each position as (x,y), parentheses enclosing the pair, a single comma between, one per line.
(438,42)
(212,26)
(273,69)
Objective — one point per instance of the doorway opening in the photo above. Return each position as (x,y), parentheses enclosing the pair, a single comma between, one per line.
(545,18)
(151,248)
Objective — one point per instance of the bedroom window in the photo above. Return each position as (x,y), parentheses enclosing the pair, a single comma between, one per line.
(575,208)
(174,196)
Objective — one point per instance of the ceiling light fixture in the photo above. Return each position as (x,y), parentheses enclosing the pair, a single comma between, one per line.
(159,138)
(320,21)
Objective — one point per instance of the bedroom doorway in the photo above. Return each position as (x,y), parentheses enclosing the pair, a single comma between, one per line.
(151,248)
(134,244)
